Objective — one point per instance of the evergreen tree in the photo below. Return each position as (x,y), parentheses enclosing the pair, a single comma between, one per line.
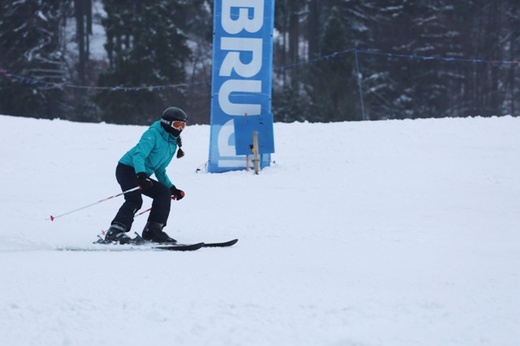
(32,52)
(485,35)
(294,105)
(512,17)
(423,85)
(146,46)
(383,25)
(289,96)
(199,22)
(332,87)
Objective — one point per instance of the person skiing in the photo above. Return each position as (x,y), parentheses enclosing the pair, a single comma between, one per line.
(151,155)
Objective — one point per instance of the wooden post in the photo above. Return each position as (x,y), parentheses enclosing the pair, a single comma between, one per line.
(247,156)
(256,160)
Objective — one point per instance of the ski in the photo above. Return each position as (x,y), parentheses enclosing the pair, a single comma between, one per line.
(138,240)
(139,244)
(221,244)
(196,246)
(132,247)
(178,247)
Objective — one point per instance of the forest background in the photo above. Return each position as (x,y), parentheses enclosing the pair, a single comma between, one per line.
(334,60)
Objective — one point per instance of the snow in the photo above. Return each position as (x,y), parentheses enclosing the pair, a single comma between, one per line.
(371,233)
(98,38)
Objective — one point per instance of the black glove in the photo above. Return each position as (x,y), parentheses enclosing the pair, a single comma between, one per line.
(144,182)
(176,193)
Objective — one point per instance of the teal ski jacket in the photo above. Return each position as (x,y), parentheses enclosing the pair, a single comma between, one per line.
(153,153)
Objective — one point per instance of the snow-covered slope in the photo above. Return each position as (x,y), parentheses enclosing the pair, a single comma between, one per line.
(373,233)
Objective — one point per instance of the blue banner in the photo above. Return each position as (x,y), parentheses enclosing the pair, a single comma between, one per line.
(241,83)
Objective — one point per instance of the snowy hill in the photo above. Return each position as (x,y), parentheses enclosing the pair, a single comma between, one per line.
(373,233)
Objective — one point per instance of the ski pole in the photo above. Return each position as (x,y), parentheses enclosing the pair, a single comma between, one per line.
(143,212)
(90,205)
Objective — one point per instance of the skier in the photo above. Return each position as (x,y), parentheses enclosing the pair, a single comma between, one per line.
(150,156)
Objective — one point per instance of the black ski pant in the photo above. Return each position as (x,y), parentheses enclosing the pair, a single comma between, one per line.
(160,193)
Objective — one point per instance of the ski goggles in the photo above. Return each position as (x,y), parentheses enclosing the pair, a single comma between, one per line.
(176,124)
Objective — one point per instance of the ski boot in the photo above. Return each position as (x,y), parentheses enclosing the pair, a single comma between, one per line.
(117,233)
(153,232)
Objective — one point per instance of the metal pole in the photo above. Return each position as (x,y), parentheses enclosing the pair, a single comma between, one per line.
(362,105)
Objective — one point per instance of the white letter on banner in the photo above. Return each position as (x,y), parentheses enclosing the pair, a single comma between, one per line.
(244,21)
(239,85)
(226,131)
(232,59)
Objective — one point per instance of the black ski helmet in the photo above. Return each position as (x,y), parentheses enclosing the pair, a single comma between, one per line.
(170,115)
(174,114)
